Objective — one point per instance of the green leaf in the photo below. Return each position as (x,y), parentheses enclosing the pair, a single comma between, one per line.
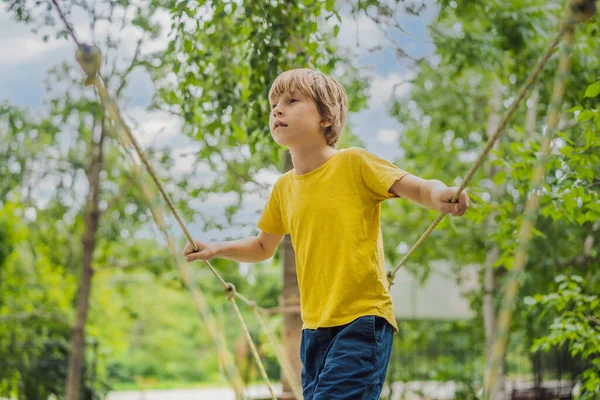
(593,90)
(500,177)
(576,108)
(585,115)
(336,30)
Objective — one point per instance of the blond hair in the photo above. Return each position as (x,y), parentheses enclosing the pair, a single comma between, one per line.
(328,94)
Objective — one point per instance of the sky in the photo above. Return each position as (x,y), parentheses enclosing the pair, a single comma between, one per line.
(25,60)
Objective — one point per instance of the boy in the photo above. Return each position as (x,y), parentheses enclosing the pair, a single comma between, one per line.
(330,205)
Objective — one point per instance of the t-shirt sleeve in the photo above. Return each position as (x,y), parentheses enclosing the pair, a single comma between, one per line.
(271,220)
(378,175)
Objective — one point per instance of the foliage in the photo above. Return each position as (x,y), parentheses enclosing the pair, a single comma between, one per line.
(482,46)
(216,74)
(575,324)
(34,306)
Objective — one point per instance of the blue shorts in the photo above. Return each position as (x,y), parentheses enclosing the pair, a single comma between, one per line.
(346,362)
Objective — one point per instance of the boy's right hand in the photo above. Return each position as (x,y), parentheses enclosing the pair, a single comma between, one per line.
(206,251)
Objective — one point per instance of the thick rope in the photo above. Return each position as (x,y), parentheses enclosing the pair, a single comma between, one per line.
(114,114)
(90,58)
(529,219)
(200,302)
(288,369)
(489,145)
(64,20)
(276,344)
(231,297)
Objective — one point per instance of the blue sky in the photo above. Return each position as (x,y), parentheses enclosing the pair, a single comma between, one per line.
(25,60)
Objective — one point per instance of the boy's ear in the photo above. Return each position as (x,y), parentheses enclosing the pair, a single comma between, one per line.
(326,124)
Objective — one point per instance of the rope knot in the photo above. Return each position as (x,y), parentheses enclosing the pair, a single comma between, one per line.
(390,277)
(90,58)
(581,10)
(230,291)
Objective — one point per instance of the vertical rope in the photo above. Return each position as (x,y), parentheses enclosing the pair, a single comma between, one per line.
(124,130)
(529,218)
(288,369)
(198,298)
(67,25)
(231,297)
(285,363)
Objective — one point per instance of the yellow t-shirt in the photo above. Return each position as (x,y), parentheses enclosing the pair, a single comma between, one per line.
(332,215)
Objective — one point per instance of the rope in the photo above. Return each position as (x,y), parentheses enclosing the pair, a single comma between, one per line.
(229,367)
(231,297)
(579,11)
(122,127)
(288,369)
(529,217)
(114,114)
(89,58)
(67,25)
(285,363)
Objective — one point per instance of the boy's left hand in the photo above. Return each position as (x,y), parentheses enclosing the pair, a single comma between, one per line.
(457,209)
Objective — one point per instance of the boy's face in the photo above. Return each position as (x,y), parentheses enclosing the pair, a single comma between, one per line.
(295,121)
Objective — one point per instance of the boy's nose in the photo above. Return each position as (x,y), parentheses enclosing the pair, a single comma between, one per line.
(277,111)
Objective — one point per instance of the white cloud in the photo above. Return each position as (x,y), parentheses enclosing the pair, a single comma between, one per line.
(382,88)
(153,127)
(362,29)
(388,136)
(163,18)
(21,46)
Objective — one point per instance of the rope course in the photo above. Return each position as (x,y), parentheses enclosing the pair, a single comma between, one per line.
(89,57)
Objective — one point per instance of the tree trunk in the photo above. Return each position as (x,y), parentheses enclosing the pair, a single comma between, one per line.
(92,217)
(489,306)
(292,319)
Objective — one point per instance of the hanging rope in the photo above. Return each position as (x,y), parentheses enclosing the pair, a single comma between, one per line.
(231,297)
(114,114)
(579,11)
(288,369)
(67,25)
(200,302)
(90,58)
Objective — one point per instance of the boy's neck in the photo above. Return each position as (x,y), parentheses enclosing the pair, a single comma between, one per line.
(308,158)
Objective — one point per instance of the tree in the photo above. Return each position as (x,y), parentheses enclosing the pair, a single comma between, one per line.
(76,152)
(479,44)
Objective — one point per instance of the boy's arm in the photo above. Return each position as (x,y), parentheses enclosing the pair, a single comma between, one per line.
(432,194)
(250,249)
